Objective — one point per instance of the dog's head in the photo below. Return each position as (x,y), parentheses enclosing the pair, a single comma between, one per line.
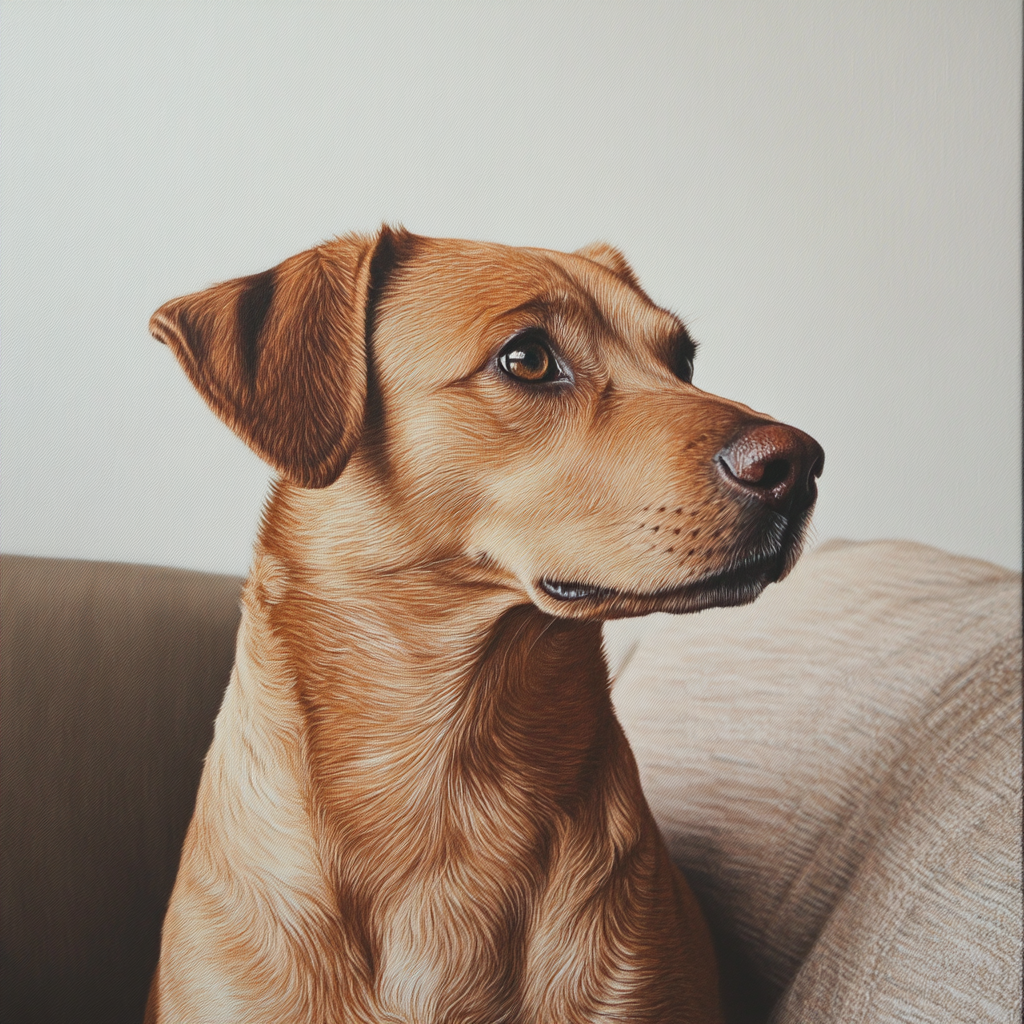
(524,414)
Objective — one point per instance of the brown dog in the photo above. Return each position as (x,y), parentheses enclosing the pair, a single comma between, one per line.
(419,805)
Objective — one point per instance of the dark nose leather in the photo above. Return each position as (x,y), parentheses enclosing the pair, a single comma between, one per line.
(775,464)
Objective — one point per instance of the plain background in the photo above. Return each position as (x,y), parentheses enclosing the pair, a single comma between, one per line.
(828,192)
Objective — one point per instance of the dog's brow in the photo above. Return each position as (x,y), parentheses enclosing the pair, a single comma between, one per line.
(547,307)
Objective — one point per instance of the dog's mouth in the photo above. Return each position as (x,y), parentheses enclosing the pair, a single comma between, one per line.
(739,583)
(575,591)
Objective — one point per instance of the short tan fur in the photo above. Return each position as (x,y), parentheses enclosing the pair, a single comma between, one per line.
(419,805)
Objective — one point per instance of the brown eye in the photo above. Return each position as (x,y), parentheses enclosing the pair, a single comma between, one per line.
(527,357)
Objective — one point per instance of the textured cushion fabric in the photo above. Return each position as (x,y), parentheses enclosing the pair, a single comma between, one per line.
(110,679)
(837,770)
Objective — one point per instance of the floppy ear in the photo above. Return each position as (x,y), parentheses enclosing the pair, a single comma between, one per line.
(281,356)
(611,259)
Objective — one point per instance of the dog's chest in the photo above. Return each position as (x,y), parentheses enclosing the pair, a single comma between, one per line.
(443,957)
(453,907)
(466,942)
(401,881)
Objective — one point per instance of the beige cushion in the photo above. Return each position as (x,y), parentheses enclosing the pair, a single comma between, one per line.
(837,769)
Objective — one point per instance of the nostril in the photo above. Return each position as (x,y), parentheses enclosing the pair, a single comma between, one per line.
(773,473)
(757,473)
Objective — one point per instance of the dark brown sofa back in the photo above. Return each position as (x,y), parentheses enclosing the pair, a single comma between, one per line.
(110,679)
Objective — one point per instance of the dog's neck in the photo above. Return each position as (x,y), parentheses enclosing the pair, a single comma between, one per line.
(406,680)
(445,753)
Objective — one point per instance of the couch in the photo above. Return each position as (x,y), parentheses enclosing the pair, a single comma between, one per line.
(836,768)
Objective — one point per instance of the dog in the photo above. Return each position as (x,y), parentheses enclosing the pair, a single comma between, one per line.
(419,805)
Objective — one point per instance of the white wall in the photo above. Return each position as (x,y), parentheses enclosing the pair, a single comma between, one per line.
(828,192)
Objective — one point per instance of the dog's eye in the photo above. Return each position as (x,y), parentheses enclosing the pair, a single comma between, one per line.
(528,357)
(682,366)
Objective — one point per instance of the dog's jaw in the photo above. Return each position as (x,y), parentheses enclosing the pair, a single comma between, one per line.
(740,581)
(735,587)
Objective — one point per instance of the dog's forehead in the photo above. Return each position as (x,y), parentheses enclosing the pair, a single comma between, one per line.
(459,299)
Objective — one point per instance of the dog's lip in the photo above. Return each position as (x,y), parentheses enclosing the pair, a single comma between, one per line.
(766,567)
(574,591)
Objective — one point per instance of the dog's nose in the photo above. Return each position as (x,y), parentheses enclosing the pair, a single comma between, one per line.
(774,463)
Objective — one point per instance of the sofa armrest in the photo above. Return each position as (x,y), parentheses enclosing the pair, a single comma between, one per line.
(110,679)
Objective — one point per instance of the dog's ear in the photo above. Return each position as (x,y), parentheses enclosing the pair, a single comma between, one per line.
(281,356)
(611,259)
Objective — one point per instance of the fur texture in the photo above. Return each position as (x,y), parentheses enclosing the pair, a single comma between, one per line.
(419,805)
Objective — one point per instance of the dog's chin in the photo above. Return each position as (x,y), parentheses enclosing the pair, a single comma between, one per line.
(740,583)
